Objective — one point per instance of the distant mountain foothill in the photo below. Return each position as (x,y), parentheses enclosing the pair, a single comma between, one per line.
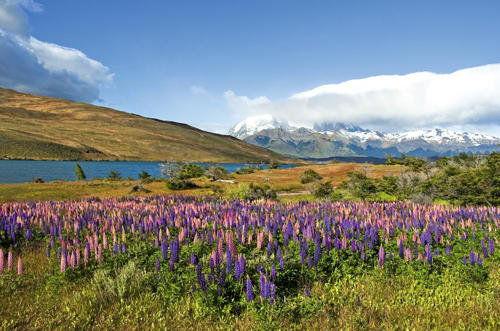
(44,128)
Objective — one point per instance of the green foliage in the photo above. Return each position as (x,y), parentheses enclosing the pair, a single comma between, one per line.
(249,169)
(145,177)
(114,175)
(320,189)
(309,176)
(190,171)
(215,172)
(80,175)
(251,192)
(179,184)
(359,185)
(274,165)
(37,180)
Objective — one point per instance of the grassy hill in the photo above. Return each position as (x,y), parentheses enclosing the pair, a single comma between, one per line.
(43,128)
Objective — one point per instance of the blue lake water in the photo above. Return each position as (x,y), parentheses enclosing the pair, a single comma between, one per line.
(13,171)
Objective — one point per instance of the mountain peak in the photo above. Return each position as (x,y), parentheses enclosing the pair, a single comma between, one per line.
(330,126)
(254,124)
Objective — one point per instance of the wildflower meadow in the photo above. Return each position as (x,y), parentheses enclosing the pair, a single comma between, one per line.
(235,263)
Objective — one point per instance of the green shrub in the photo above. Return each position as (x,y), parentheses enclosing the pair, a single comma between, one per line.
(128,282)
(251,192)
(215,172)
(191,171)
(114,174)
(145,177)
(274,165)
(309,176)
(320,189)
(179,184)
(37,180)
(80,175)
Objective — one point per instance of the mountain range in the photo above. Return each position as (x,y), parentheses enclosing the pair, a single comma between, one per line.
(330,139)
(44,128)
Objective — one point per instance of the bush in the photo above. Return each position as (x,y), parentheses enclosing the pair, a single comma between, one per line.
(251,192)
(145,177)
(37,180)
(274,165)
(139,189)
(215,172)
(80,175)
(320,189)
(114,174)
(309,176)
(128,282)
(248,169)
(179,184)
(191,171)
(336,196)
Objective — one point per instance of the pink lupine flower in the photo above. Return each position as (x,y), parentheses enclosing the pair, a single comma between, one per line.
(19,266)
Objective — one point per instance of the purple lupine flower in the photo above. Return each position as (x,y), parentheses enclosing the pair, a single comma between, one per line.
(491,246)
(228,260)
(472,258)
(401,250)
(203,283)
(249,289)
(308,294)
(124,248)
(485,252)
(242,264)
(198,271)
(237,270)
(381,256)
(273,272)
(317,254)
(280,260)
(19,266)
(272,294)
(2,262)
(164,250)
(263,286)
(448,249)
(464,260)
(9,260)
(47,251)
(429,254)
(193,259)
(309,263)
(353,246)
(480,261)
(269,249)
(222,278)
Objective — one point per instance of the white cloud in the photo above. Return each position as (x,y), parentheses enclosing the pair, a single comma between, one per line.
(30,65)
(468,98)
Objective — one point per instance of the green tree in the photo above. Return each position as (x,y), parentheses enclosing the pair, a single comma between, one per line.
(274,165)
(114,174)
(144,176)
(80,175)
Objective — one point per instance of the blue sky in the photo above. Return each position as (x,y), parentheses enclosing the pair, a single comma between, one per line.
(212,63)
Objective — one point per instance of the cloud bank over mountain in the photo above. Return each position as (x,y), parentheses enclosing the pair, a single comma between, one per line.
(33,66)
(462,100)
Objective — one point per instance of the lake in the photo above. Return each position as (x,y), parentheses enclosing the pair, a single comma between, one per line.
(22,171)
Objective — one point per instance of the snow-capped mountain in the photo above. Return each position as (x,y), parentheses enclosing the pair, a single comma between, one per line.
(255,124)
(338,139)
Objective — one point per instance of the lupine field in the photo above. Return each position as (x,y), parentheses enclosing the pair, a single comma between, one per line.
(239,264)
